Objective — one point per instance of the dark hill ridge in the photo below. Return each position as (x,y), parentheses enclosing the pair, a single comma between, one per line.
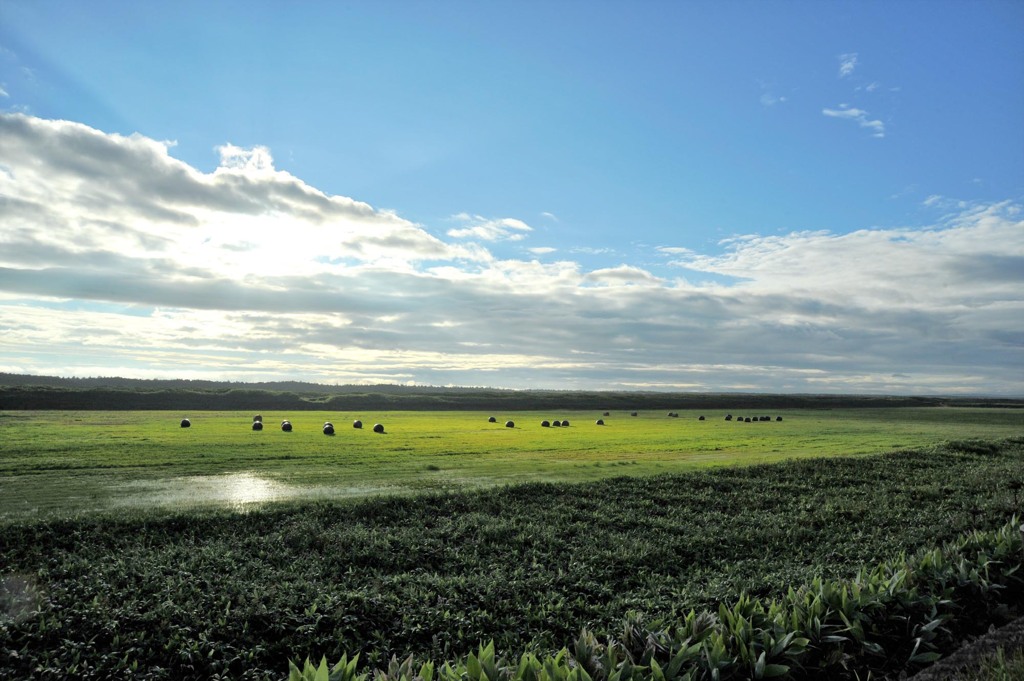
(49,392)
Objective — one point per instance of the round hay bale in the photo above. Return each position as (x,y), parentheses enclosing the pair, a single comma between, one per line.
(378,428)
(746,420)
(257,418)
(510,424)
(632,413)
(565,423)
(599,422)
(185,423)
(257,425)
(357,424)
(328,429)
(557,424)
(778,418)
(492,420)
(700,418)
(606,414)
(728,417)
(286,426)
(545,424)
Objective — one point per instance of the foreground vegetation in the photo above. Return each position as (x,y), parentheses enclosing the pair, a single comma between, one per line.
(893,618)
(222,595)
(72,462)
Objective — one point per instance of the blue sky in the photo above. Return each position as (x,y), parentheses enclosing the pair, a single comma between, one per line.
(771,196)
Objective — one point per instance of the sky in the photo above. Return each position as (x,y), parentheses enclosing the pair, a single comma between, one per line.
(790,197)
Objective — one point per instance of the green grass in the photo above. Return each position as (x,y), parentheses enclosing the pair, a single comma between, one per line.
(73,462)
(999,667)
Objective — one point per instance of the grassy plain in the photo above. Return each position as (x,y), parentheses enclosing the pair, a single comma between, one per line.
(70,462)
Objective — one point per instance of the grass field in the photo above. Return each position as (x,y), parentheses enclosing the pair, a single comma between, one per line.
(71,462)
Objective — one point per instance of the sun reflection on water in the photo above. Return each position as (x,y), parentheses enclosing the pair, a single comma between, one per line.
(235,489)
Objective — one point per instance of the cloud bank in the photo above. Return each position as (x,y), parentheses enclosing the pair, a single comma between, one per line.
(118,259)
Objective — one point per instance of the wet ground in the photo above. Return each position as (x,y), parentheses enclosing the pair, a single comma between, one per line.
(235,490)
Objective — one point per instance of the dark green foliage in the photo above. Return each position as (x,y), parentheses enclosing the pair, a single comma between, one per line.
(528,566)
(898,616)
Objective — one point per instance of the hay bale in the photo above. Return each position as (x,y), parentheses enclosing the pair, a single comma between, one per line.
(557,424)
(545,424)
(492,420)
(565,423)
(606,414)
(257,425)
(599,422)
(286,426)
(632,413)
(328,429)
(510,424)
(185,423)
(728,417)
(378,428)
(257,418)
(357,424)
(778,418)
(700,418)
(746,420)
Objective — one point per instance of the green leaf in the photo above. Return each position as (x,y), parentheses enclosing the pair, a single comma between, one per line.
(322,672)
(473,669)
(759,666)
(656,673)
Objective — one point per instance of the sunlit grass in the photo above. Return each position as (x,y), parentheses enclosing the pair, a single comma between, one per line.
(82,461)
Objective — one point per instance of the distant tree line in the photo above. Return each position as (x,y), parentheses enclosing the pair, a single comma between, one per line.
(43,392)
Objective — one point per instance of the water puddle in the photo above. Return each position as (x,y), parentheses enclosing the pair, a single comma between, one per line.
(237,490)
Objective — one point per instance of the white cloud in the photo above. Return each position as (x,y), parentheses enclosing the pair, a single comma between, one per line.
(542,250)
(550,216)
(504,229)
(674,250)
(118,259)
(846,112)
(590,250)
(847,64)
(932,270)
(3,92)
(125,199)
(255,160)
(623,275)
(769,99)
